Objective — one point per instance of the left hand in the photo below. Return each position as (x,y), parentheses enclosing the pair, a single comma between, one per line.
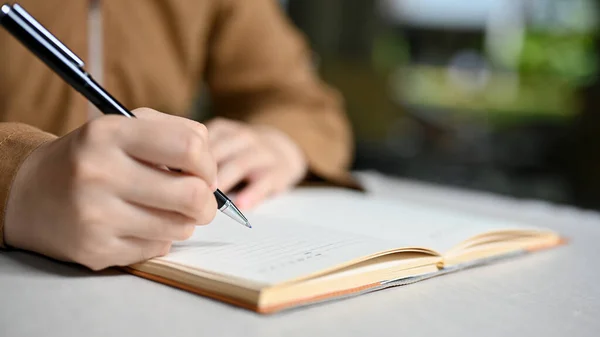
(261,156)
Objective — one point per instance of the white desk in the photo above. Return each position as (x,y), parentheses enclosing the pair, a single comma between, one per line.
(553,293)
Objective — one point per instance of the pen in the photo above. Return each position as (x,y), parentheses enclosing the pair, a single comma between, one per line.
(67,65)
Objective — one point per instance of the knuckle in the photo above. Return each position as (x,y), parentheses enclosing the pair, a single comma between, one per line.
(100,130)
(194,144)
(87,161)
(208,212)
(143,111)
(220,122)
(201,130)
(210,167)
(213,170)
(194,198)
(207,216)
(147,113)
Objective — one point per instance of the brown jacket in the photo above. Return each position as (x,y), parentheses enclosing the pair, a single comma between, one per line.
(157,53)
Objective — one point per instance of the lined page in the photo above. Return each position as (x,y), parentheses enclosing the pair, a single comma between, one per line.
(308,230)
(403,223)
(271,252)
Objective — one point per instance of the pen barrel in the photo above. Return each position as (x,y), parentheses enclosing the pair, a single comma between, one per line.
(30,38)
(3,10)
(60,64)
(100,98)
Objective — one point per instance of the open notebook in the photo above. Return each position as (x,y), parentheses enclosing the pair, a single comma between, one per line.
(313,245)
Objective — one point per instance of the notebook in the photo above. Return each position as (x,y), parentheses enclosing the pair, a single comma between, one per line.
(314,245)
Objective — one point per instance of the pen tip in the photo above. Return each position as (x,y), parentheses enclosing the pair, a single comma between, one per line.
(233,212)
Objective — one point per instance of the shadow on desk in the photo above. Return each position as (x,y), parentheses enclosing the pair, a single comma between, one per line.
(34,263)
(28,262)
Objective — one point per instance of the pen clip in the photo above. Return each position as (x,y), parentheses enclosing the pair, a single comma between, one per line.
(47,35)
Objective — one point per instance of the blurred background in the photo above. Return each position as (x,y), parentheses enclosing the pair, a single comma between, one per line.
(493,95)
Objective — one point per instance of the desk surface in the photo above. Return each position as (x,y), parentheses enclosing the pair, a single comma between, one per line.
(554,293)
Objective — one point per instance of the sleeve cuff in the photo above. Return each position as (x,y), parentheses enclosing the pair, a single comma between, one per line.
(17,141)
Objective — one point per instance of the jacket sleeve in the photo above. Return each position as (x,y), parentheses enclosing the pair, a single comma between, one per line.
(17,141)
(259,70)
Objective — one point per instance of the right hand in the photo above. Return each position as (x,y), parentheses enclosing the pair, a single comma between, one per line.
(98,196)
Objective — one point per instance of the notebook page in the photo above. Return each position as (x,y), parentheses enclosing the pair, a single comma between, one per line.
(271,252)
(405,224)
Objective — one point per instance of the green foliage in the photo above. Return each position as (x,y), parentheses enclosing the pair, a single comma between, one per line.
(572,57)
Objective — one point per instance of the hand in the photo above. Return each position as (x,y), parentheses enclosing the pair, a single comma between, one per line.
(98,196)
(263,157)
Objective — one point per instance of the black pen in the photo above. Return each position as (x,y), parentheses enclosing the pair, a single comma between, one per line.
(67,65)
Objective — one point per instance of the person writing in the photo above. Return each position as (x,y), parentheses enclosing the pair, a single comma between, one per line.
(83,187)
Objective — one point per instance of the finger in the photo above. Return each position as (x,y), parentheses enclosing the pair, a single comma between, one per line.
(167,191)
(227,146)
(167,140)
(235,170)
(149,114)
(220,128)
(157,116)
(152,224)
(134,250)
(257,190)
(153,115)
